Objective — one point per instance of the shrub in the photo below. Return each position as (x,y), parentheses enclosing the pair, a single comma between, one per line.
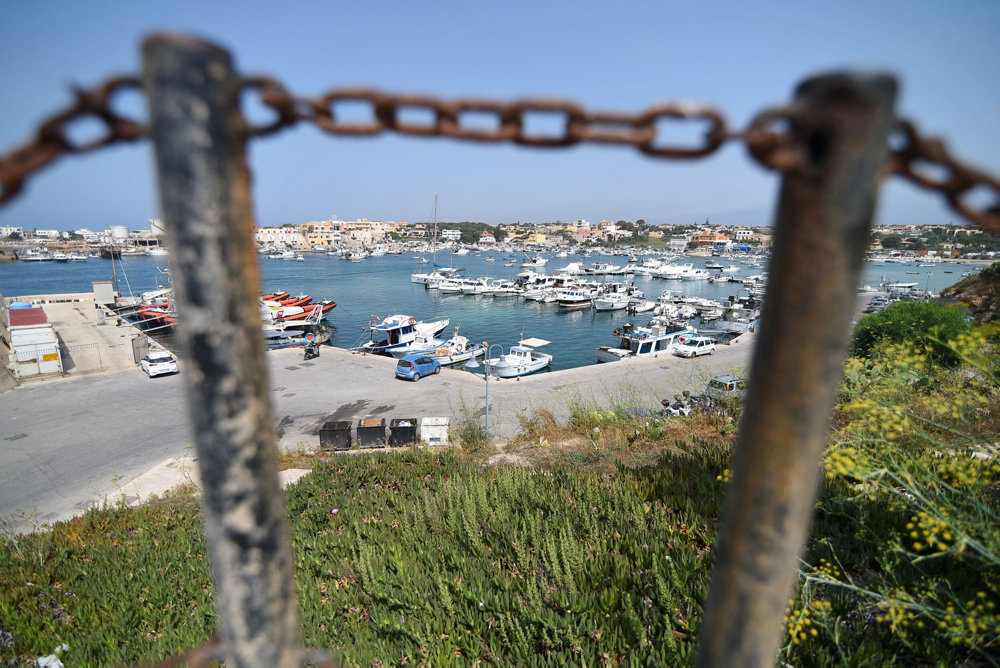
(926,324)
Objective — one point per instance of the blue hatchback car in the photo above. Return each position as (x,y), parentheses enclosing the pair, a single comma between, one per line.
(415,365)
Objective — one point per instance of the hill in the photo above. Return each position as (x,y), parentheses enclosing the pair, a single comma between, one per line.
(981,293)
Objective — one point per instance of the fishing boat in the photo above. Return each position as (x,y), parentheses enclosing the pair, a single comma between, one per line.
(640,305)
(457,349)
(396,331)
(534,262)
(659,336)
(423,342)
(573,299)
(293,337)
(520,360)
(274,310)
(297,333)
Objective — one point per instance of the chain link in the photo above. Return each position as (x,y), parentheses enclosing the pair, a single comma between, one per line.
(917,153)
(492,121)
(52,140)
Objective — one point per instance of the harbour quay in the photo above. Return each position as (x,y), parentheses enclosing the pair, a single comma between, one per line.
(88,338)
(83,437)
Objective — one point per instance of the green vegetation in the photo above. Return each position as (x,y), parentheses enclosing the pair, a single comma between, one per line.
(594,547)
(923,323)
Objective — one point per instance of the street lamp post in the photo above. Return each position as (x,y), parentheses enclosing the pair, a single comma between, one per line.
(486,374)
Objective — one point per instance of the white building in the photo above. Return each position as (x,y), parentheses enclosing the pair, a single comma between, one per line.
(679,243)
(744,235)
(451,235)
(287,236)
(46,234)
(28,344)
(87,234)
(7,230)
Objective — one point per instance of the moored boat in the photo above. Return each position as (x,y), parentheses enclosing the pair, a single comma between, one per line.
(659,336)
(457,349)
(520,360)
(396,331)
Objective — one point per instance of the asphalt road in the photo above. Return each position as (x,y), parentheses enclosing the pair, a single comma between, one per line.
(74,442)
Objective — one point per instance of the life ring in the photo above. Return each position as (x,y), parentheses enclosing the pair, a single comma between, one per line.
(616,331)
(644,336)
(310,337)
(682,339)
(413,321)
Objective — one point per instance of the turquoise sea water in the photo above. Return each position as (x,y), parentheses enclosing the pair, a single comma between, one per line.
(382,286)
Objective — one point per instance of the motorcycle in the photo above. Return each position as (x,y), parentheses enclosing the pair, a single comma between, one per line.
(678,408)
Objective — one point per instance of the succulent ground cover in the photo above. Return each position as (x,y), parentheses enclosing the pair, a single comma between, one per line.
(583,542)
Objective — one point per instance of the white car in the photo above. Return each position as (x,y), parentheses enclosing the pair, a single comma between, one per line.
(157,364)
(692,346)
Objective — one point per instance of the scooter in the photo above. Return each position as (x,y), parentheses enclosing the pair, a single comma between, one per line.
(311,352)
(676,409)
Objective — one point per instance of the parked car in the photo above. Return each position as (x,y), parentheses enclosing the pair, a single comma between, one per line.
(692,346)
(415,365)
(725,388)
(157,364)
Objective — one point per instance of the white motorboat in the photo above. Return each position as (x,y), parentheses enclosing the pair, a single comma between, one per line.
(520,360)
(535,262)
(659,336)
(640,305)
(613,301)
(505,289)
(457,349)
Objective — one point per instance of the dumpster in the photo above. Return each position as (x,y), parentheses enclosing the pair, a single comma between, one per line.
(335,436)
(434,430)
(402,431)
(371,433)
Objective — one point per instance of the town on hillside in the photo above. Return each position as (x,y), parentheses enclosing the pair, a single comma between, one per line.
(335,235)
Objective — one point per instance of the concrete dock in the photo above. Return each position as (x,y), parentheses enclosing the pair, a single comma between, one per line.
(103,430)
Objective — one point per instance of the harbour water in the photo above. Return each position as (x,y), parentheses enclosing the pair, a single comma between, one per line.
(380,286)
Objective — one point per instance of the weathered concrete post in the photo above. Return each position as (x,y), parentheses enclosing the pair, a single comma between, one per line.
(197,131)
(840,125)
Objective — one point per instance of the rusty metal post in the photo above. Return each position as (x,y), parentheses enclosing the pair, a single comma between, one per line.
(841,125)
(196,128)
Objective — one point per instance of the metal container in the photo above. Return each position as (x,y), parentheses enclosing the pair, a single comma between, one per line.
(371,433)
(335,435)
(402,431)
(434,430)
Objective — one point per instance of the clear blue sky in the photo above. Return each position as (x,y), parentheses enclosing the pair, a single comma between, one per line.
(740,56)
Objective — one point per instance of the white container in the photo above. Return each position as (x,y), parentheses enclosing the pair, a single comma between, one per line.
(434,430)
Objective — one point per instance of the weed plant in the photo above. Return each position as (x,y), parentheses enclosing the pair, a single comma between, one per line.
(904,564)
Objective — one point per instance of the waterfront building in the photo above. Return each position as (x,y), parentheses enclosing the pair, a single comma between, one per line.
(287,235)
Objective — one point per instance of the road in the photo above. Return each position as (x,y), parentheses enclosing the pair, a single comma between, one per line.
(74,442)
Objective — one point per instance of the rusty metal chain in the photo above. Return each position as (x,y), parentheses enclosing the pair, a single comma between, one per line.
(52,141)
(958,180)
(769,144)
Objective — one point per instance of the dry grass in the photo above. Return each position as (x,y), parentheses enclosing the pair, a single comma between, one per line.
(607,442)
